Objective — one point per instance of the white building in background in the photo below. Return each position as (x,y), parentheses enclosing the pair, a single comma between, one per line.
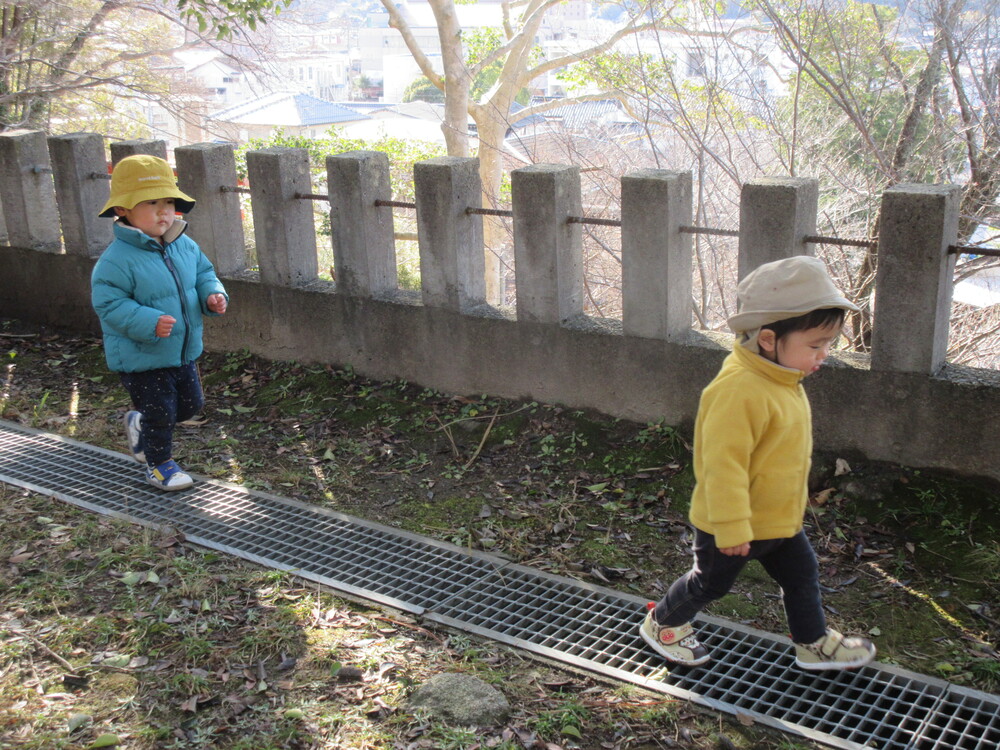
(755,63)
(224,82)
(402,70)
(377,43)
(324,75)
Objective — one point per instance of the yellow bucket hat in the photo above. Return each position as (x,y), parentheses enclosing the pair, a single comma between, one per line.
(143,178)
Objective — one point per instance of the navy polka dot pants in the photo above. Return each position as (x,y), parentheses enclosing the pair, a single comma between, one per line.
(164,397)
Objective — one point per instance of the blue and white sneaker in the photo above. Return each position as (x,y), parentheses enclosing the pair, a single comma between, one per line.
(168,476)
(133,435)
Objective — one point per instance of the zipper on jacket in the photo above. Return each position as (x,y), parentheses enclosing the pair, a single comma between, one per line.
(180,293)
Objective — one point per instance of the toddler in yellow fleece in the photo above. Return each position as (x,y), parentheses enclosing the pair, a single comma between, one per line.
(752,453)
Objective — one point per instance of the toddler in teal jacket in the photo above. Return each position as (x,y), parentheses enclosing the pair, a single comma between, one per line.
(150,288)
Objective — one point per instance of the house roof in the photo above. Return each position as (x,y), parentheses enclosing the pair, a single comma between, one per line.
(523,122)
(363,107)
(394,126)
(288,109)
(577,116)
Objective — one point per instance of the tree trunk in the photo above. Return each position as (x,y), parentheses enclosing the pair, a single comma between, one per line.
(491,134)
(457,81)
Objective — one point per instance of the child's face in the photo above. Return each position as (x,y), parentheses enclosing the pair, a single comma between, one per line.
(151,217)
(800,350)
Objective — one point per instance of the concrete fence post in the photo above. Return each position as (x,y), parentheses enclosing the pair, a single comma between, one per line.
(121,149)
(656,255)
(80,168)
(364,250)
(203,169)
(283,224)
(913,283)
(452,265)
(27,191)
(4,240)
(548,249)
(776,215)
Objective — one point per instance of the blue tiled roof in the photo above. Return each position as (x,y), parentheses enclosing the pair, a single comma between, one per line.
(289,109)
(313,111)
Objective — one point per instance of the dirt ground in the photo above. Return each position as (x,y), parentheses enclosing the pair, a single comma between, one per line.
(908,557)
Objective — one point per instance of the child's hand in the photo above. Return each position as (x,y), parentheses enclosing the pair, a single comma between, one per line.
(741,550)
(216,303)
(164,326)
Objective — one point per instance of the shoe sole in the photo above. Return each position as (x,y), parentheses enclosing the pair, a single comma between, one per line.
(140,457)
(179,487)
(651,642)
(170,489)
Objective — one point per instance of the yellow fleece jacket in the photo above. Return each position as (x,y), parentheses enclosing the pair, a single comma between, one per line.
(752,452)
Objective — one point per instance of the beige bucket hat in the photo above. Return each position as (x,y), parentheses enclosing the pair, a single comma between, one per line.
(785,289)
(144,178)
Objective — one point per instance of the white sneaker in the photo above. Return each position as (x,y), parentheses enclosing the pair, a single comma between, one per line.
(834,651)
(677,645)
(133,435)
(168,476)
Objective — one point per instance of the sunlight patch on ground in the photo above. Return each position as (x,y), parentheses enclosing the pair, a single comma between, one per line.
(980,637)
(8,382)
(73,410)
(235,470)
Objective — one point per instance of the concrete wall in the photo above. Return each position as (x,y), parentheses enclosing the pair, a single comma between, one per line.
(903,404)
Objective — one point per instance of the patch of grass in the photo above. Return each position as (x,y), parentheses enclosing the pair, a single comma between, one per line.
(569,720)
(737,607)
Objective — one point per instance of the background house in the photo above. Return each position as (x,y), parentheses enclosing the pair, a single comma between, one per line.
(293,113)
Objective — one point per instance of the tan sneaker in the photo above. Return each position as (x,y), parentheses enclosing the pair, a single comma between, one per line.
(834,651)
(677,645)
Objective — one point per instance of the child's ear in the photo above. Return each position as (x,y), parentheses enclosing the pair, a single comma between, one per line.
(119,211)
(767,341)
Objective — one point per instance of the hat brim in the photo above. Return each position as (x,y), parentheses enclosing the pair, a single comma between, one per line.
(753,319)
(182,202)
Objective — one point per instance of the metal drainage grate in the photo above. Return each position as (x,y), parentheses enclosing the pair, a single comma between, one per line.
(563,619)
(751,672)
(386,565)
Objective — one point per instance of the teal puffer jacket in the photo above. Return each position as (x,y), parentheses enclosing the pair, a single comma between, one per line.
(135,281)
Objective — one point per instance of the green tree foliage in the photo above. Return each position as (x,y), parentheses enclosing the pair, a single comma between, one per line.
(223,17)
(402,155)
(855,85)
(422,90)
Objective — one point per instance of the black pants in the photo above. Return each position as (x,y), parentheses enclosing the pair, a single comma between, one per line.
(790,562)
(164,397)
